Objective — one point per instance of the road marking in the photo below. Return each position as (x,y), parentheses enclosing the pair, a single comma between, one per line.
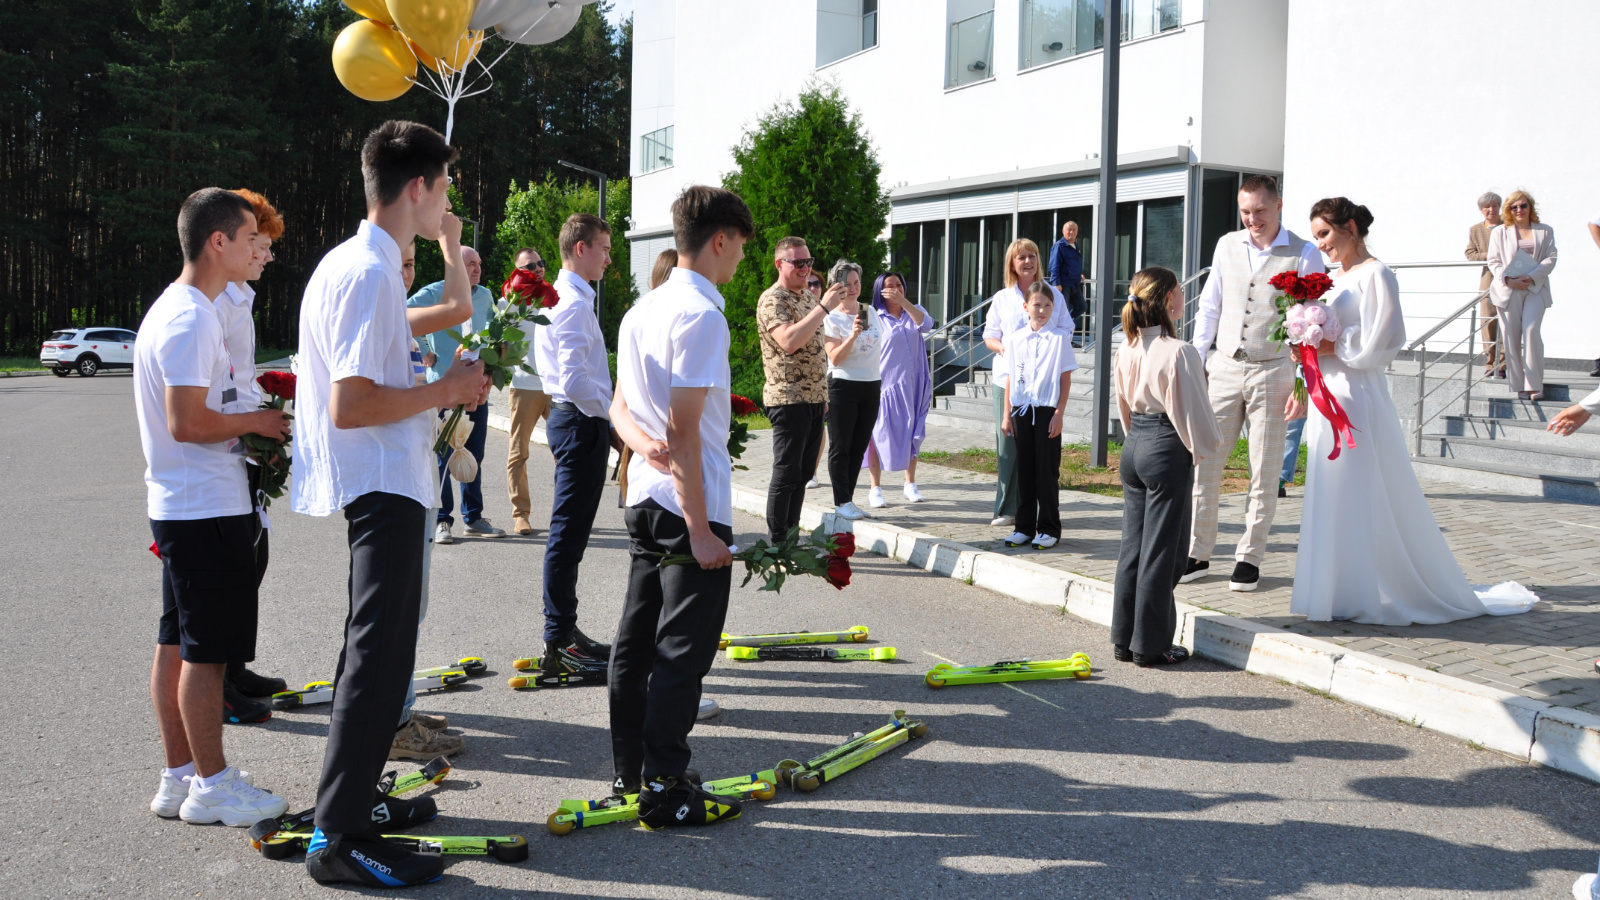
(1001,683)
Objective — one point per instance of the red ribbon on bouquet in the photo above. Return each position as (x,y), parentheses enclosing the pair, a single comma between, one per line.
(1326,403)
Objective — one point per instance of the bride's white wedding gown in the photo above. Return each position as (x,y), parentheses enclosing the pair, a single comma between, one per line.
(1370,549)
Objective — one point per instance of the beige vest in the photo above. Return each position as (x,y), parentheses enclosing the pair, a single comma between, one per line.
(1248,312)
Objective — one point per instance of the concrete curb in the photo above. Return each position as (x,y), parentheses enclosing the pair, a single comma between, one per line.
(1517,726)
(25,373)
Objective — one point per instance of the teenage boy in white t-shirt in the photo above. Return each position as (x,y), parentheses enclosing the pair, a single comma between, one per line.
(200,513)
(672,392)
(363,447)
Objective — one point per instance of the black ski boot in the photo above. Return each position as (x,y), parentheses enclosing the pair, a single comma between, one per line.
(237,709)
(252,685)
(667,801)
(368,859)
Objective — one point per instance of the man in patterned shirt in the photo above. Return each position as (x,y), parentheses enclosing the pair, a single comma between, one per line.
(796,392)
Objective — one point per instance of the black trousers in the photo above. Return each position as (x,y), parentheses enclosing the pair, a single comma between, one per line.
(852,412)
(252,476)
(671,624)
(580,445)
(1038,472)
(796,438)
(1157,497)
(380,651)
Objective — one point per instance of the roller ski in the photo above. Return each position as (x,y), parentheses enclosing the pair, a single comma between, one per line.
(564,664)
(510,848)
(1075,666)
(384,813)
(807,654)
(855,633)
(433,679)
(625,807)
(859,750)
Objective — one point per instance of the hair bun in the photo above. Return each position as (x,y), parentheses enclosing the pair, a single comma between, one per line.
(1363,217)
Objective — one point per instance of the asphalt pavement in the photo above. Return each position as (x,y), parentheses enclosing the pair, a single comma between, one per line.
(1195,782)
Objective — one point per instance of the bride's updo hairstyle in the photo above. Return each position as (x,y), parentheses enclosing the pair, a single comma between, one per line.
(1336,211)
(1147,302)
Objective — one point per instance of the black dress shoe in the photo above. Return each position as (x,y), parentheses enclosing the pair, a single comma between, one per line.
(1121,654)
(1246,577)
(1195,571)
(1283,489)
(252,685)
(1176,654)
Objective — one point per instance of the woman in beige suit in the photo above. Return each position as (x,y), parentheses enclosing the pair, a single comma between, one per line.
(1521,254)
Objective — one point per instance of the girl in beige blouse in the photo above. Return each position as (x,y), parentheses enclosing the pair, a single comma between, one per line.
(1163,401)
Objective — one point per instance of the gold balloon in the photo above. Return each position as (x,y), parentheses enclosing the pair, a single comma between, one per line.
(373,61)
(436,25)
(465,50)
(423,56)
(372,9)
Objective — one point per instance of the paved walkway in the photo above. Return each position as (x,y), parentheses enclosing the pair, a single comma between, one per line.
(1553,548)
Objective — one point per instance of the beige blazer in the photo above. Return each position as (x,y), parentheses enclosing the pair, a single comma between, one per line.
(1478,251)
(1503,246)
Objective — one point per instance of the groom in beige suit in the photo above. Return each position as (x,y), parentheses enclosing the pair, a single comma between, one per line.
(1251,377)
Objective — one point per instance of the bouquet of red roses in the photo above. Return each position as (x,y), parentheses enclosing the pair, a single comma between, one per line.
(739,432)
(1305,322)
(821,554)
(272,455)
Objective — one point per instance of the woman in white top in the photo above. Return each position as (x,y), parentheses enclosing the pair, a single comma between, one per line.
(1038,366)
(1165,407)
(1370,549)
(1522,251)
(853,335)
(1022,270)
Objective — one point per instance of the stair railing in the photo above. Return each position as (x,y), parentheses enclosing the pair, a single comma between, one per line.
(1418,347)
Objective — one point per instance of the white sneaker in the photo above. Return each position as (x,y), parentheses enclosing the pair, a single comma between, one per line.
(441,534)
(1017,539)
(875,498)
(708,708)
(1585,888)
(1043,542)
(849,511)
(231,801)
(813,484)
(1000,521)
(911,492)
(173,791)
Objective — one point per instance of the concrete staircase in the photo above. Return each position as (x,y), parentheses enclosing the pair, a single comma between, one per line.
(972,406)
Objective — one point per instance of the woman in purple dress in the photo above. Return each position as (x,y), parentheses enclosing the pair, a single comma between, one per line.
(907,388)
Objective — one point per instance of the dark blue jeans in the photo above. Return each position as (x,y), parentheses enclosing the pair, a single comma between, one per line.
(579,444)
(471,494)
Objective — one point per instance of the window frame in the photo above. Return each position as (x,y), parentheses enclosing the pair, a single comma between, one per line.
(877,37)
(949,51)
(646,158)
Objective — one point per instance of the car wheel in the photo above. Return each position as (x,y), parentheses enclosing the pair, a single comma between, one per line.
(88,365)
(60,372)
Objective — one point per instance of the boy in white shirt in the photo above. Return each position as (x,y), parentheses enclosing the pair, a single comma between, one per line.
(364,447)
(1039,364)
(200,513)
(672,392)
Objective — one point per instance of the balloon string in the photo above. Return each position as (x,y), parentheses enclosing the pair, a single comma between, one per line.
(454,87)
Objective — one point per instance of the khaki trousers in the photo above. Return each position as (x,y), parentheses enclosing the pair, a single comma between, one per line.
(1244,392)
(1489,318)
(527,408)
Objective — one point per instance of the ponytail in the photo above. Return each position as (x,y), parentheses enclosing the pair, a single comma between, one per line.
(1147,302)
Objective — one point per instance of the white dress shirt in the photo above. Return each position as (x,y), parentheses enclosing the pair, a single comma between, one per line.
(353,325)
(180,345)
(677,336)
(1034,362)
(571,351)
(1210,311)
(1006,314)
(234,310)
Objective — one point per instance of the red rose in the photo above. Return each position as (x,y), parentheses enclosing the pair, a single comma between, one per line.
(1315,285)
(844,545)
(279,384)
(1284,281)
(155,549)
(742,406)
(838,571)
(547,295)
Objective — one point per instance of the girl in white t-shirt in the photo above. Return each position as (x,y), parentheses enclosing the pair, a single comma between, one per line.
(854,338)
(1039,364)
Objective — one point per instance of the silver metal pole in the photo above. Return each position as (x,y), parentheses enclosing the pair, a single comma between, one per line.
(1422,390)
(1105,289)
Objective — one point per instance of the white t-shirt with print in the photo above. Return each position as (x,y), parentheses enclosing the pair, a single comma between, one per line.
(862,363)
(180,345)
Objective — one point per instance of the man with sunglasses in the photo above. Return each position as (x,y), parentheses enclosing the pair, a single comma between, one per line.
(529,404)
(790,318)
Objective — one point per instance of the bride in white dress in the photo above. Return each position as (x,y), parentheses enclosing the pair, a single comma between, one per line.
(1370,549)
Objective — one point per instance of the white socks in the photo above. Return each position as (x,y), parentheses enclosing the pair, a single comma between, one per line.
(206,781)
(181,772)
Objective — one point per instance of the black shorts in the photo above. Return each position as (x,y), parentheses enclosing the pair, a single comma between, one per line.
(208,587)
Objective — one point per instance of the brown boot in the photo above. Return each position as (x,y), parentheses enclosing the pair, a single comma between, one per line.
(416,742)
(519,525)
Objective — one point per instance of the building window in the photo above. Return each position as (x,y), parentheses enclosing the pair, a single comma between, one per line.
(1058,29)
(917,252)
(969,48)
(655,149)
(844,28)
(1142,18)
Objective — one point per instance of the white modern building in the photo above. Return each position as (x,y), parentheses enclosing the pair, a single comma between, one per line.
(986,117)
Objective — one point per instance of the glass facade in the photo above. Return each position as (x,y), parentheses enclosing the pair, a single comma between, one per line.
(1162,235)
(969,50)
(655,149)
(916,250)
(1059,29)
(845,28)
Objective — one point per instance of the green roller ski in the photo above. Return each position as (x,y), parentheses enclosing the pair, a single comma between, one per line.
(855,633)
(860,749)
(432,679)
(1075,666)
(812,653)
(471,666)
(510,848)
(432,773)
(588,813)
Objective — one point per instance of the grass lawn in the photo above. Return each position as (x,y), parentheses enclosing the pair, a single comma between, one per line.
(19,363)
(756,421)
(1078,475)
(271,354)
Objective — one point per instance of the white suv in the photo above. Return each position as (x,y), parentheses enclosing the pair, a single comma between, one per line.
(87,351)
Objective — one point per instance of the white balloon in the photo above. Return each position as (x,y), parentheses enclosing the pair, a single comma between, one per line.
(542,21)
(492,12)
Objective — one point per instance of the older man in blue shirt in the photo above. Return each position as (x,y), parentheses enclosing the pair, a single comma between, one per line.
(438,352)
(1066,272)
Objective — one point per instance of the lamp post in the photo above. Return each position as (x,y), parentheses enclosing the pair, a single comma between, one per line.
(600,286)
(1106,283)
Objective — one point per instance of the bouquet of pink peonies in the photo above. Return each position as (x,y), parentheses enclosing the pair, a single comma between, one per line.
(1306,322)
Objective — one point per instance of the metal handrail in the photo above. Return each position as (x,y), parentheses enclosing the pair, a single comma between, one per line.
(1471,304)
